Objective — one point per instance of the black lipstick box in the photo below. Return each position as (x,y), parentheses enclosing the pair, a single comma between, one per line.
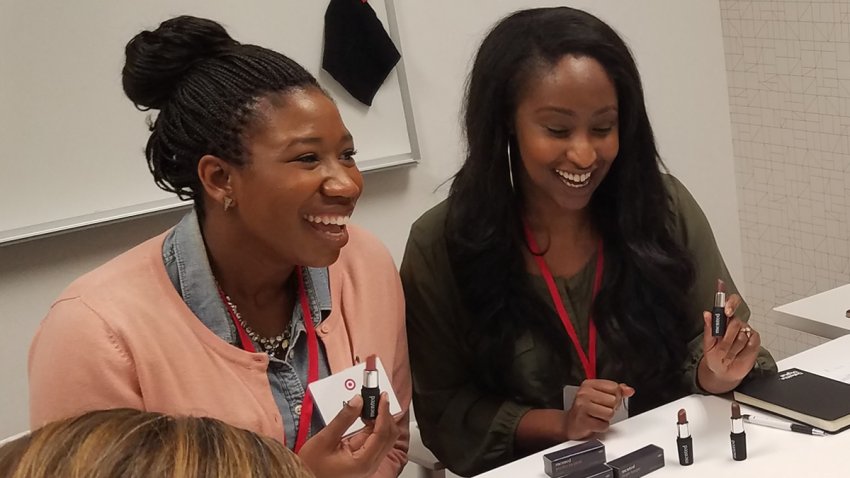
(596,471)
(638,463)
(570,461)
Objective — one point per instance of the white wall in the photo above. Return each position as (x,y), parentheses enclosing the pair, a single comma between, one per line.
(679,50)
(34,106)
(788,67)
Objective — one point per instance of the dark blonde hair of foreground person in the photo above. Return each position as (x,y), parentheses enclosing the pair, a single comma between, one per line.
(130,443)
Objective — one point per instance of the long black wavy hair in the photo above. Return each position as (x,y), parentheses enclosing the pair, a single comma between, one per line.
(640,309)
(206,86)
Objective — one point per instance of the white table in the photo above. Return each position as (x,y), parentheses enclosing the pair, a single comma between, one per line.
(821,314)
(771,453)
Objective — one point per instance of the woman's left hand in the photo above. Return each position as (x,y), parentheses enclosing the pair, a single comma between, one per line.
(727,360)
(328,455)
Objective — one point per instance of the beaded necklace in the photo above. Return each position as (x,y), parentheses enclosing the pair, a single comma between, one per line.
(271,345)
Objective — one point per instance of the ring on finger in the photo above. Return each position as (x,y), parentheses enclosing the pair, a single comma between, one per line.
(747,331)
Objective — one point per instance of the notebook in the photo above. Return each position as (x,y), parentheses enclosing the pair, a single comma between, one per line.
(799,395)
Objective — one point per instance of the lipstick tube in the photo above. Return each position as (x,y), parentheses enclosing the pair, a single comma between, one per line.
(684,442)
(738,437)
(370,391)
(718,312)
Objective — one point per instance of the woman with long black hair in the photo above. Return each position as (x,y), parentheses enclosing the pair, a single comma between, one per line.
(563,256)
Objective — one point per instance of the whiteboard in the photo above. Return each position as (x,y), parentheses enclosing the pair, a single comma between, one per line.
(73,144)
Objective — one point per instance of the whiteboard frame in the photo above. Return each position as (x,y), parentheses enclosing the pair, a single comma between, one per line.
(111,216)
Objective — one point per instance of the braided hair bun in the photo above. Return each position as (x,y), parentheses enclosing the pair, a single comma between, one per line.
(205,86)
(157,60)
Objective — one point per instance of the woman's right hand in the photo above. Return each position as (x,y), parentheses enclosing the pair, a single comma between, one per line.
(328,455)
(594,406)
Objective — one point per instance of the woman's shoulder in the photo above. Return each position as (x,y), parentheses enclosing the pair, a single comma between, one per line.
(363,246)
(689,219)
(108,297)
(682,202)
(675,189)
(431,225)
(122,272)
(363,280)
(365,256)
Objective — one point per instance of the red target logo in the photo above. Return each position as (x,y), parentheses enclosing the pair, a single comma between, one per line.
(350,384)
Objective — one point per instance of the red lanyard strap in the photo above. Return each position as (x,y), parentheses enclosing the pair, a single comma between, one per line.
(312,354)
(588,360)
(312,364)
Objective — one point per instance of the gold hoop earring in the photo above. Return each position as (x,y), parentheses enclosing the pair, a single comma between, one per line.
(228,203)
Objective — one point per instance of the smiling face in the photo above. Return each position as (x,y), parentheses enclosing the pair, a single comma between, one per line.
(566,126)
(299,185)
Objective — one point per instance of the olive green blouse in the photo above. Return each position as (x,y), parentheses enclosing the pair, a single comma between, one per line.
(471,430)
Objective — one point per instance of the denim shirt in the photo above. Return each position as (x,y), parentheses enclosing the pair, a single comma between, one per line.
(185,256)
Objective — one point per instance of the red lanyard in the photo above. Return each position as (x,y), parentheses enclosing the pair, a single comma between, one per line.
(588,360)
(312,355)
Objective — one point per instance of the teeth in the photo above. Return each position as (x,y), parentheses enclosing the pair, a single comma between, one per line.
(574,180)
(326,220)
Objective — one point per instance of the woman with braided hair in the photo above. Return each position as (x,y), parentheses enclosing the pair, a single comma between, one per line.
(251,296)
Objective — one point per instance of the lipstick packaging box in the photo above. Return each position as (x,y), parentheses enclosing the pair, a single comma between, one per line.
(596,471)
(638,463)
(571,462)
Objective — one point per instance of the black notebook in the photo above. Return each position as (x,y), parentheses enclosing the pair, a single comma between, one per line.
(799,395)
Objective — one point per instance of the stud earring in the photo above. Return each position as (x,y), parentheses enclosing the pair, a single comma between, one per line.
(228,203)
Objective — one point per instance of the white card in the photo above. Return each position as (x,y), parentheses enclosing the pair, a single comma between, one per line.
(620,414)
(330,393)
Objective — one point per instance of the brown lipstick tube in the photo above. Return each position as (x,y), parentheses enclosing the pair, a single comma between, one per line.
(684,442)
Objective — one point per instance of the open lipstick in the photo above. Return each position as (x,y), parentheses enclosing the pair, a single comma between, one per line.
(718,312)
(370,391)
(738,437)
(684,442)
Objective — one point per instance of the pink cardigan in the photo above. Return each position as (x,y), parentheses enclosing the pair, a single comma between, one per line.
(121,336)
